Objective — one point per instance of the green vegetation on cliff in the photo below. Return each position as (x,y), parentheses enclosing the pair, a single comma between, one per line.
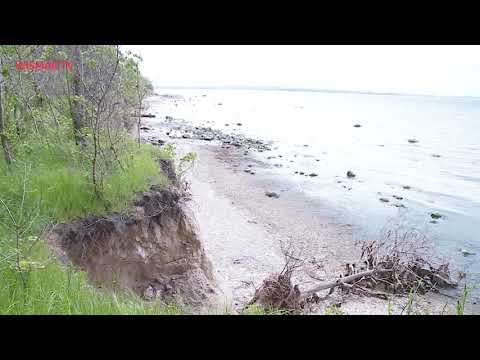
(66,153)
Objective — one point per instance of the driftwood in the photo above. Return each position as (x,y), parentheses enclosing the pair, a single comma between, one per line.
(397,265)
(342,280)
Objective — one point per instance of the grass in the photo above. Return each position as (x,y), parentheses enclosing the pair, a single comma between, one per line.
(49,184)
(54,289)
(460,305)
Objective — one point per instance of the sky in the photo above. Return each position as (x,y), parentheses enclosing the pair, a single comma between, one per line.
(442,70)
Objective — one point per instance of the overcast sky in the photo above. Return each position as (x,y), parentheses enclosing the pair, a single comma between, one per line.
(420,69)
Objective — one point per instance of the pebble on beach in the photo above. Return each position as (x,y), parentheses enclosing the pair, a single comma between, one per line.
(272,195)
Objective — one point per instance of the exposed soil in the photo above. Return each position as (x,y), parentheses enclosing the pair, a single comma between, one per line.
(153,251)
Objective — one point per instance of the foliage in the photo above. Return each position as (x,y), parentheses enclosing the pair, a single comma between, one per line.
(71,156)
(333,310)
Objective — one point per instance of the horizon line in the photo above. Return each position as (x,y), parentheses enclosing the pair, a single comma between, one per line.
(269,88)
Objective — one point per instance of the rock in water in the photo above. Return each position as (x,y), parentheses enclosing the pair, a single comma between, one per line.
(313,175)
(272,195)
(467,253)
(239,124)
(350,174)
(412,141)
(435,215)
(357,125)
(384,200)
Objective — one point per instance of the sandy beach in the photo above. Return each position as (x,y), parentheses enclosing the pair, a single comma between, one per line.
(243,231)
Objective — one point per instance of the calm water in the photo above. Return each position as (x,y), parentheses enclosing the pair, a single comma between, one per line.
(378,153)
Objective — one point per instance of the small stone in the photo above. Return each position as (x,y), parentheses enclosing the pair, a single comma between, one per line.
(412,141)
(350,174)
(272,195)
(435,215)
(296,172)
(301,173)
(406,187)
(313,175)
(384,200)
(436,155)
(227,124)
(357,125)
(305,145)
(239,124)
(397,197)
(467,253)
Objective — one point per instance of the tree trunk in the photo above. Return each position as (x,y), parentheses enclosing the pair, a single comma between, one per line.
(77,107)
(3,138)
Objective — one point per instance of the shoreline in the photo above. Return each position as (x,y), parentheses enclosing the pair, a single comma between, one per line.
(242,229)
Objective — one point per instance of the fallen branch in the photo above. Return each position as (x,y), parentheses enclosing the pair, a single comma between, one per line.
(344,280)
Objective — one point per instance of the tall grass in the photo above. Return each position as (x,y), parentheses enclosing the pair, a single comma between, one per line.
(49,183)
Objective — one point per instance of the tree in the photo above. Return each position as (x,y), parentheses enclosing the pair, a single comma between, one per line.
(3,137)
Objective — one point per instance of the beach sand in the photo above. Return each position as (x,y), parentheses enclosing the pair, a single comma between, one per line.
(243,232)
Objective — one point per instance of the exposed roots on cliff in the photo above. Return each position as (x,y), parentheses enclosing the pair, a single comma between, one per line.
(154,250)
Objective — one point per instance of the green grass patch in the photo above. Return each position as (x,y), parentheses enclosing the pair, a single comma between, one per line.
(50,182)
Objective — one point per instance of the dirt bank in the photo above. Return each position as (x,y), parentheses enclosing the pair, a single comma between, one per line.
(154,250)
